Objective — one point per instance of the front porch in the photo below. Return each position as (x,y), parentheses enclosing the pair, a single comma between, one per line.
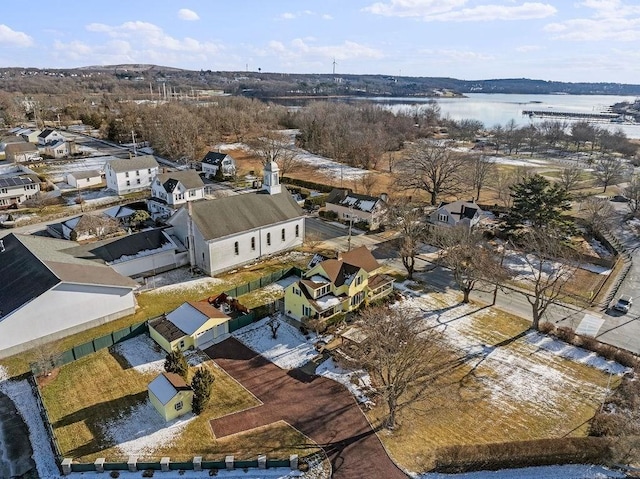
(379,286)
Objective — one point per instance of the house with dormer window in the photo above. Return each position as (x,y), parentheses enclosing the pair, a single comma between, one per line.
(214,161)
(337,285)
(169,191)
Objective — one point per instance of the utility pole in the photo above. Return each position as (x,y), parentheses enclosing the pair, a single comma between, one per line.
(133,137)
(334,65)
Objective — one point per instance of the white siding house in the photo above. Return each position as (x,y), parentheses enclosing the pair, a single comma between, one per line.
(52,294)
(171,190)
(465,213)
(133,174)
(350,206)
(17,189)
(84,179)
(213,161)
(224,233)
(48,135)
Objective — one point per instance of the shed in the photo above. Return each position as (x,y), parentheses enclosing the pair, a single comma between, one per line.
(170,395)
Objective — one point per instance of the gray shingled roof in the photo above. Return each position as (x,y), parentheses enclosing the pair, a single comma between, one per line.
(81,175)
(135,163)
(31,265)
(235,214)
(189,178)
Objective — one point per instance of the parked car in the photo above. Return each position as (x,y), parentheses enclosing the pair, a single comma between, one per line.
(623,304)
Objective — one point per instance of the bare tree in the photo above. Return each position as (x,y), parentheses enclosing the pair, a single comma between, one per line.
(274,325)
(608,172)
(45,357)
(632,192)
(469,257)
(550,266)
(598,213)
(431,167)
(478,171)
(570,178)
(274,146)
(404,357)
(409,220)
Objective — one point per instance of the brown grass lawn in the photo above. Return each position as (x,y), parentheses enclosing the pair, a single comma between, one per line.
(496,399)
(77,410)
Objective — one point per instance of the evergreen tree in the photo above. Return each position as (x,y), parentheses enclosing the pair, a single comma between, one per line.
(175,362)
(539,204)
(201,384)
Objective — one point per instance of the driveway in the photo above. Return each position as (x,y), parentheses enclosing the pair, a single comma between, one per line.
(318,407)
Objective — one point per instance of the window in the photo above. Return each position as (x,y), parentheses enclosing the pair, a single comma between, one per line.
(138,180)
(149,170)
(282,234)
(323,290)
(137,172)
(182,344)
(358,280)
(192,193)
(306,311)
(126,174)
(236,248)
(297,291)
(443,218)
(128,183)
(3,190)
(297,231)
(178,405)
(268,239)
(253,243)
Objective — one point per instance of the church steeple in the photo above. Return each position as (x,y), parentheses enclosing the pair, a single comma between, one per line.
(271,178)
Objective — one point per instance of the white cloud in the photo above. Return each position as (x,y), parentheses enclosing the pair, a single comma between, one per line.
(153,38)
(288,16)
(528,48)
(11,37)
(304,51)
(309,13)
(451,10)
(455,56)
(186,14)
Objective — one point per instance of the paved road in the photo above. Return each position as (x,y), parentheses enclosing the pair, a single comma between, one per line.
(320,408)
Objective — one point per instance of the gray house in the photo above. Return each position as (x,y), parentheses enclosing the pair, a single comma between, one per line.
(459,212)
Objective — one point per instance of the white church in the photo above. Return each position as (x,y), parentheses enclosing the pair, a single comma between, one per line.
(225,233)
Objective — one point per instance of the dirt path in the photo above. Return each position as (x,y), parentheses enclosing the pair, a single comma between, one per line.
(318,407)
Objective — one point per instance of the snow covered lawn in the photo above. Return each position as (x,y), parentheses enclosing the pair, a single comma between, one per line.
(569,471)
(143,354)
(513,385)
(288,351)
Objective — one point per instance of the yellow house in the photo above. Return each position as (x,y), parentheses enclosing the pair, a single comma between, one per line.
(193,324)
(337,285)
(170,395)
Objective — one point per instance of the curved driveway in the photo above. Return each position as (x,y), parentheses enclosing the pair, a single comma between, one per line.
(318,407)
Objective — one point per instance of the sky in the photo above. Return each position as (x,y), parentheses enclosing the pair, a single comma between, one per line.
(561,40)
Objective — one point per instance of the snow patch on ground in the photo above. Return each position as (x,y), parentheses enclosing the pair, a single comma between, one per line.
(179,279)
(279,473)
(99,197)
(569,471)
(575,353)
(22,396)
(500,160)
(142,353)
(329,369)
(4,374)
(288,351)
(141,430)
(599,248)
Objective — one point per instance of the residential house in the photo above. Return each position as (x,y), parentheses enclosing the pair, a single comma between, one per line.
(350,206)
(214,160)
(21,152)
(133,174)
(15,190)
(170,395)
(48,136)
(8,140)
(84,179)
(136,255)
(121,213)
(60,149)
(84,228)
(465,213)
(224,233)
(338,285)
(193,324)
(47,294)
(171,190)
(29,135)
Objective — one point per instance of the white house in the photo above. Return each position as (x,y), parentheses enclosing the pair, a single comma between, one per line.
(85,227)
(133,174)
(213,161)
(21,152)
(60,149)
(171,190)
(224,233)
(84,179)
(136,255)
(359,208)
(459,212)
(29,135)
(48,135)
(46,294)
(15,190)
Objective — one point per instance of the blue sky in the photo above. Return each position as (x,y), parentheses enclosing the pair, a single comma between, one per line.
(565,40)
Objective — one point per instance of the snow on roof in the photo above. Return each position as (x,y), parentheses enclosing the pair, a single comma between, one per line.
(316,278)
(359,203)
(162,388)
(119,212)
(327,301)
(189,318)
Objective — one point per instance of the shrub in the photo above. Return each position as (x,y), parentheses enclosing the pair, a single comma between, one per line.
(589,343)
(565,334)
(148,473)
(547,328)
(625,358)
(201,385)
(175,362)
(607,351)
(114,474)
